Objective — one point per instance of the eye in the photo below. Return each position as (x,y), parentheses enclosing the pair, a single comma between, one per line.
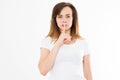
(59,16)
(68,16)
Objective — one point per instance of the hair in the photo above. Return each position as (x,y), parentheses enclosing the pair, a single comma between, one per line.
(54,31)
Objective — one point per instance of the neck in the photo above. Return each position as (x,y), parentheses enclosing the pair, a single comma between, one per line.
(68,31)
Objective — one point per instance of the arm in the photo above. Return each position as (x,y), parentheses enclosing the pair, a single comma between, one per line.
(47,59)
(86,67)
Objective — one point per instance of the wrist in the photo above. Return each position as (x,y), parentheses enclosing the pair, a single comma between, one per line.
(57,44)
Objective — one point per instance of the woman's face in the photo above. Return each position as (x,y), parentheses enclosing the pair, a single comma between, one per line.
(64,19)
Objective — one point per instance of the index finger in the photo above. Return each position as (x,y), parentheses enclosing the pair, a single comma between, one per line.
(63,29)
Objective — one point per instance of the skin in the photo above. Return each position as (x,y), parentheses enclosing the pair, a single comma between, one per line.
(64,22)
(47,58)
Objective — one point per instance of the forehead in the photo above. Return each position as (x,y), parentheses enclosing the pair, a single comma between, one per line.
(66,10)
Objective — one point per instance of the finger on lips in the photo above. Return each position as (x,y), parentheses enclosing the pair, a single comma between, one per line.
(63,30)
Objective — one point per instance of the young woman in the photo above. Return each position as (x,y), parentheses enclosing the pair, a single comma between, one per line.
(64,53)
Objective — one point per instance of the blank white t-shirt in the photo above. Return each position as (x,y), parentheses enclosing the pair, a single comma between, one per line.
(68,64)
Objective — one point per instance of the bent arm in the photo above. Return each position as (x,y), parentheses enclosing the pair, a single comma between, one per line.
(87,67)
(47,59)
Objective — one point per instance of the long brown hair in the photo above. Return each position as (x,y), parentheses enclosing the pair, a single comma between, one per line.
(54,29)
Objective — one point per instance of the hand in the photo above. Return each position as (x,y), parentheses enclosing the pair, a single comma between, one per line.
(64,37)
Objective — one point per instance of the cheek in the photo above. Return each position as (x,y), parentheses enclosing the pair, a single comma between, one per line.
(59,22)
(70,23)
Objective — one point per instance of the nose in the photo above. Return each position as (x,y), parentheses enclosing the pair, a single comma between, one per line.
(64,20)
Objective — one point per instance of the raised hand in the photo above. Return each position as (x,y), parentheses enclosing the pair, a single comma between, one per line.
(64,37)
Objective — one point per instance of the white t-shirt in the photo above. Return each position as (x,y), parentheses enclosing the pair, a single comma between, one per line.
(68,64)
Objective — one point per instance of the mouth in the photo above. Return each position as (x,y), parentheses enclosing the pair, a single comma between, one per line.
(64,25)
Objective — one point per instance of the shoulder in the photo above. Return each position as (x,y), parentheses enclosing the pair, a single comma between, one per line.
(46,42)
(46,39)
(82,40)
(84,44)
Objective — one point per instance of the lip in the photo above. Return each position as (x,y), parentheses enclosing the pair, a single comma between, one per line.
(64,25)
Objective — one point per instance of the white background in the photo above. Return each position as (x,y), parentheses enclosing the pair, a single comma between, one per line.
(24,22)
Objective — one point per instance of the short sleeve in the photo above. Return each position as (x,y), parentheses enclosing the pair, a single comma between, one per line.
(46,43)
(86,48)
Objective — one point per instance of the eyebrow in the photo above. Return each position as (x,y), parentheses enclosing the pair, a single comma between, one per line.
(65,14)
(68,14)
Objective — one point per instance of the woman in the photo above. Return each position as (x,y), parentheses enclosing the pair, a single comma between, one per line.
(64,53)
